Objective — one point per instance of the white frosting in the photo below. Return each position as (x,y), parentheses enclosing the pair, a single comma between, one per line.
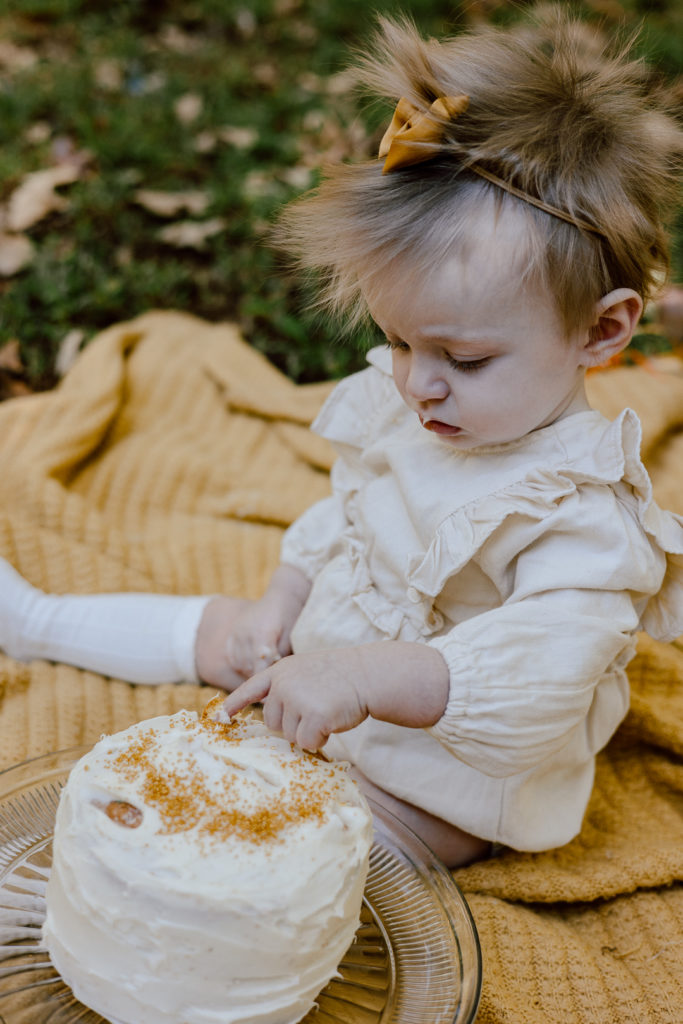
(194,916)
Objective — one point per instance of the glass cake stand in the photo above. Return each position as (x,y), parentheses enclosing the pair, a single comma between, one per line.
(415,959)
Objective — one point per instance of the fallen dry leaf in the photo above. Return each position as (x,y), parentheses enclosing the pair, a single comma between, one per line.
(108,74)
(131,176)
(302,30)
(16,252)
(10,357)
(124,255)
(64,151)
(169,204)
(281,8)
(38,132)
(341,83)
(258,184)
(174,38)
(16,58)
(298,177)
(36,195)
(142,85)
(313,120)
(310,82)
(12,369)
(192,234)
(188,107)
(265,73)
(331,141)
(205,142)
(241,137)
(69,348)
(246,23)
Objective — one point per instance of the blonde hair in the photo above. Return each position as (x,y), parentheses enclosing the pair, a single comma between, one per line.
(554,111)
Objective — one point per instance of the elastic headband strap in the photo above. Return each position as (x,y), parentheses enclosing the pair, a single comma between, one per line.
(554,211)
(414,136)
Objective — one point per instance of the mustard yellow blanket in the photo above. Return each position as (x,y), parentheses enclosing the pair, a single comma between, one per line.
(170,459)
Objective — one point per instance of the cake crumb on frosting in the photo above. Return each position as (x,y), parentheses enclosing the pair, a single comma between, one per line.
(184,801)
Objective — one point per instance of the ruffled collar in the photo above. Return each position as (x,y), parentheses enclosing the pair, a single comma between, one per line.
(582,427)
(476,491)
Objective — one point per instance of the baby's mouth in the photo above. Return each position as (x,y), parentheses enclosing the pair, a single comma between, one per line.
(438,427)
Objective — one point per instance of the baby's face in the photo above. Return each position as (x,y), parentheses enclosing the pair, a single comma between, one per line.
(480,358)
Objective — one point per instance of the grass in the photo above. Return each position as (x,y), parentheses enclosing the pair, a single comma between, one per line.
(270,103)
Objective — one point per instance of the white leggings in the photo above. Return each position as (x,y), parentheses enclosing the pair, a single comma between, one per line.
(141,638)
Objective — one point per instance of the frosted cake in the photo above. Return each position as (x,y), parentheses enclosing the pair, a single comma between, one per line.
(204,873)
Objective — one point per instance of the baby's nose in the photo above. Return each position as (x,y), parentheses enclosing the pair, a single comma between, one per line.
(424,383)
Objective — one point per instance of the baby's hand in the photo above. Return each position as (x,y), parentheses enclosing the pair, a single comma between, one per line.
(307,696)
(259,637)
(237,638)
(214,630)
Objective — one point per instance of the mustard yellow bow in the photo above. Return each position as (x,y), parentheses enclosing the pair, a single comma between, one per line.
(413,133)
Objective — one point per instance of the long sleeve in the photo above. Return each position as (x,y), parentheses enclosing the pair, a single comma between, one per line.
(523,679)
(312,539)
(346,421)
(309,541)
(141,638)
(527,675)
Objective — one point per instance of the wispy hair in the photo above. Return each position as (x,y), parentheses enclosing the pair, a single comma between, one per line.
(557,111)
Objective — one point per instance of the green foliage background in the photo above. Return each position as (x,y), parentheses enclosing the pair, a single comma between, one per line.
(273,66)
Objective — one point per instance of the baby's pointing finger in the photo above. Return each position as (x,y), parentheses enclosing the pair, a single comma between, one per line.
(252,689)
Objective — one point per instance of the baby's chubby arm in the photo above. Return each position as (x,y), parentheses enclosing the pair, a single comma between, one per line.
(237,638)
(309,696)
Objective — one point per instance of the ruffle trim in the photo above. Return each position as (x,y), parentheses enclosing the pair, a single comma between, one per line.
(463,533)
(362,407)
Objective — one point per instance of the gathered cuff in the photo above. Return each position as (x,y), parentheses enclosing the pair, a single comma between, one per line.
(523,679)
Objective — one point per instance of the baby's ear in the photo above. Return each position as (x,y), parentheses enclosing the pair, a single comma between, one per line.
(616,318)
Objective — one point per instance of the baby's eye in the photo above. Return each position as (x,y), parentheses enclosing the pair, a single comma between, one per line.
(400,346)
(468,365)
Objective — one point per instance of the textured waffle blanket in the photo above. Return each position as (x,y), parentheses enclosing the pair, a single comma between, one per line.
(170,459)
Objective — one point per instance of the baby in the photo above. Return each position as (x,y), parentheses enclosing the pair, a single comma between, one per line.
(456,618)
(462,608)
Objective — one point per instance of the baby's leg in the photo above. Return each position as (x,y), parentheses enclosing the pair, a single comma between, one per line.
(453,846)
(142,638)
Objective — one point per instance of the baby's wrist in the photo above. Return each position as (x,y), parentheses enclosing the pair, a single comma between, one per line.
(214,627)
(209,637)
(405,683)
(288,589)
